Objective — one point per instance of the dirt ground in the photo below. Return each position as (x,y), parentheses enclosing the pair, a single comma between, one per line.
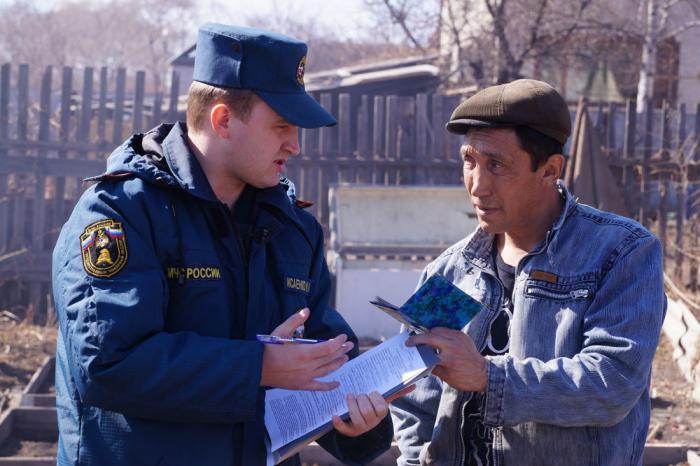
(675,416)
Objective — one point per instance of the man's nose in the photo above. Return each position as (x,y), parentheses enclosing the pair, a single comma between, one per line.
(478,182)
(291,142)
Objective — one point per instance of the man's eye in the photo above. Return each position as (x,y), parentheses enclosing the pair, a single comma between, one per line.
(496,165)
(468,161)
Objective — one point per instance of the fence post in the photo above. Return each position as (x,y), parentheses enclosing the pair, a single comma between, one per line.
(174,95)
(118,115)
(645,176)
(364,140)
(102,109)
(681,190)
(391,130)
(137,122)
(423,131)
(17,238)
(327,173)
(611,140)
(4,139)
(38,233)
(628,144)
(345,152)
(85,120)
(378,172)
(64,131)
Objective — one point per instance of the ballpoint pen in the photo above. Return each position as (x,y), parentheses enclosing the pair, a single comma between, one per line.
(275,340)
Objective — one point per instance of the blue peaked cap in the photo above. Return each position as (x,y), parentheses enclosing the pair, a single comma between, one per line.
(269,64)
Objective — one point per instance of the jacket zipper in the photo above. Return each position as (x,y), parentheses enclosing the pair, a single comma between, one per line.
(580,293)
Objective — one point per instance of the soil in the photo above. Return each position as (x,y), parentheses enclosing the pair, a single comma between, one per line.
(23,348)
(675,415)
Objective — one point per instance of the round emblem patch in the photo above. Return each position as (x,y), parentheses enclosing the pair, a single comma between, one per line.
(103,247)
(300,70)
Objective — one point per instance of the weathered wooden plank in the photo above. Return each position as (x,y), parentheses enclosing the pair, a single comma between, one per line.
(4,132)
(326,142)
(696,154)
(328,147)
(664,453)
(102,108)
(85,124)
(66,167)
(18,198)
(610,129)
(41,375)
(682,122)
(364,130)
(6,425)
(378,175)
(344,124)
(646,154)
(59,214)
(391,131)
(4,101)
(681,190)
(406,139)
(665,130)
(118,115)
(156,112)
(137,122)
(38,233)
(86,105)
(174,95)
(422,126)
(36,312)
(628,143)
(344,136)
(23,102)
(34,423)
(27,461)
(438,127)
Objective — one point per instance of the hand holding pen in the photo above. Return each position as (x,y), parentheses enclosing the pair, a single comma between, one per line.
(297,366)
(275,340)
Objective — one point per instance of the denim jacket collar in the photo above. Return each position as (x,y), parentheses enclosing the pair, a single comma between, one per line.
(478,250)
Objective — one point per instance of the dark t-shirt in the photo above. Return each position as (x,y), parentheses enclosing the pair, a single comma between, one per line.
(478,439)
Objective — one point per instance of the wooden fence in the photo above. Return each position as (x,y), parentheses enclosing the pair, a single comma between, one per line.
(58,126)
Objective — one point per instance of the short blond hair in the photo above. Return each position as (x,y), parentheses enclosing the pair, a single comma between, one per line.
(201,97)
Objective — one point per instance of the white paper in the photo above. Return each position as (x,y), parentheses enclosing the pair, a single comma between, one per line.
(289,414)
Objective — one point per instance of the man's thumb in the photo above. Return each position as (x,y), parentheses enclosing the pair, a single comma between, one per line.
(286,328)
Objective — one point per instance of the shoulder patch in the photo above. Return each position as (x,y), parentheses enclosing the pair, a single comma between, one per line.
(103,248)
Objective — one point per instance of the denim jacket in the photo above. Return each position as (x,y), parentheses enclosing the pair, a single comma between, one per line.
(588,304)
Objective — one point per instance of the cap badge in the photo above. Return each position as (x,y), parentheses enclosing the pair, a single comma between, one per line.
(103,248)
(300,70)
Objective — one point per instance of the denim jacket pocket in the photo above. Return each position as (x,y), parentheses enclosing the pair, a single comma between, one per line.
(573,289)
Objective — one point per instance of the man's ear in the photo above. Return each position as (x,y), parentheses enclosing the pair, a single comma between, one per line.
(553,169)
(220,118)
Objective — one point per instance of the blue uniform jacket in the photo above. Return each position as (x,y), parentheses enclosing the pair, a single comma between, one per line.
(156,361)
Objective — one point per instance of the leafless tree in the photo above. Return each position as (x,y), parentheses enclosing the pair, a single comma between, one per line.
(327,48)
(490,41)
(142,34)
(660,23)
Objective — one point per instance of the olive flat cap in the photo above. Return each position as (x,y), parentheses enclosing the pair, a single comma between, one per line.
(524,102)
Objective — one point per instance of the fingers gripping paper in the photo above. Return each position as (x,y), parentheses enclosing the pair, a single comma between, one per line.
(296,417)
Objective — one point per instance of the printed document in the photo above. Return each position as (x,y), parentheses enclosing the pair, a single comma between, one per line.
(296,417)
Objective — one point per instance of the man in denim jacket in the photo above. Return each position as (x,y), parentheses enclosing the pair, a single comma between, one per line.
(555,369)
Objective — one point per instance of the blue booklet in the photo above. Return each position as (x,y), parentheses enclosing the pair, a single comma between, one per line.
(437,303)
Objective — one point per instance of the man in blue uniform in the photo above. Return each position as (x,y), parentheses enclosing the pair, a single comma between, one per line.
(185,249)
